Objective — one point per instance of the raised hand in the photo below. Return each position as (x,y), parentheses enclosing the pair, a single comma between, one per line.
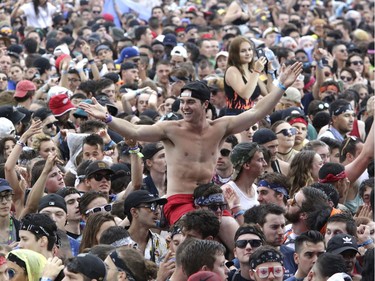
(289,74)
(35,128)
(95,110)
(259,64)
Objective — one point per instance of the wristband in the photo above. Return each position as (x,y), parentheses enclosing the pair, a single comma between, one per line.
(280,85)
(239,213)
(136,151)
(236,206)
(21,144)
(367,242)
(91,61)
(108,118)
(45,279)
(257,71)
(272,73)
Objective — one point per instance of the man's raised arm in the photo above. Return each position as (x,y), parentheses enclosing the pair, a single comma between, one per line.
(266,105)
(148,133)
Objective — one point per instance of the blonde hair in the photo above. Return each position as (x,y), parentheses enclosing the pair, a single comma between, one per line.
(38,139)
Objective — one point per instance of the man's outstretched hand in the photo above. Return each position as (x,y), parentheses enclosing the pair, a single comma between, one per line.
(290,73)
(95,110)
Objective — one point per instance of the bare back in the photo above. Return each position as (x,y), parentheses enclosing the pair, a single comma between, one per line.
(191,154)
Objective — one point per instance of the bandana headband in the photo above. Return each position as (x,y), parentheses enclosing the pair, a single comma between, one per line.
(298,120)
(329,87)
(210,199)
(343,109)
(267,256)
(333,178)
(274,186)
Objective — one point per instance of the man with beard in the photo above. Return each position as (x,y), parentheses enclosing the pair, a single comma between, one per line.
(307,200)
(342,118)
(268,139)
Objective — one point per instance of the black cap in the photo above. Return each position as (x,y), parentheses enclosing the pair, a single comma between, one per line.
(103,100)
(27,113)
(52,200)
(91,266)
(199,90)
(342,242)
(141,196)
(263,136)
(10,112)
(97,166)
(150,149)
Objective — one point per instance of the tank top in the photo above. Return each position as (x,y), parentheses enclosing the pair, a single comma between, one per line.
(235,103)
(246,201)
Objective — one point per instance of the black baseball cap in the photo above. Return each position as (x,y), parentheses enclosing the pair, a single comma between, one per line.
(97,166)
(141,196)
(342,242)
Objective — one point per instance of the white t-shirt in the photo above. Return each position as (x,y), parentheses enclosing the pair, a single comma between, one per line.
(44,18)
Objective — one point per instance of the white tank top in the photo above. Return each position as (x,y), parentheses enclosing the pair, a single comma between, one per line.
(246,201)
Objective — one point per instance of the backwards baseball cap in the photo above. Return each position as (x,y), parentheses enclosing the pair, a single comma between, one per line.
(10,112)
(292,94)
(138,197)
(89,265)
(269,31)
(196,89)
(241,154)
(150,149)
(127,53)
(97,166)
(170,40)
(264,135)
(60,104)
(342,242)
(7,128)
(179,51)
(52,200)
(23,87)
(4,185)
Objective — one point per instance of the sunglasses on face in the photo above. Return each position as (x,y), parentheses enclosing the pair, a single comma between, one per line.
(50,125)
(96,12)
(357,62)
(264,272)
(254,243)
(225,152)
(216,207)
(346,78)
(254,128)
(99,177)
(288,132)
(152,206)
(106,208)
(4,79)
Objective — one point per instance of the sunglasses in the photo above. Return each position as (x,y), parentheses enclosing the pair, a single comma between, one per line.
(347,141)
(254,128)
(152,206)
(216,207)
(264,272)
(4,79)
(225,152)
(50,125)
(323,106)
(357,62)
(99,177)
(254,243)
(106,208)
(288,132)
(96,12)
(346,78)
(293,202)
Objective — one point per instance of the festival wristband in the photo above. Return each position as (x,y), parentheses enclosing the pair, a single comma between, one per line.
(21,144)
(137,151)
(239,213)
(367,242)
(108,118)
(280,85)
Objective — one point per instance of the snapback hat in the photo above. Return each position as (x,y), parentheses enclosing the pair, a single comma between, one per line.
(196,89)
(23,87)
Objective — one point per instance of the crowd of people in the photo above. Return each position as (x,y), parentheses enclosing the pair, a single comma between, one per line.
(187,140)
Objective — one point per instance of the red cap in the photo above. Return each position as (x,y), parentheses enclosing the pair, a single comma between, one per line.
(59,59)
(22,88)
(108,17)
(206,36)
(60,104)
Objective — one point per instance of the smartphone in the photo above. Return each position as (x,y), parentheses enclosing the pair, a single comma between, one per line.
(260,53)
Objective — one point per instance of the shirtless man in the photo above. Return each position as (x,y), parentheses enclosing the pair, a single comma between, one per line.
(192,144)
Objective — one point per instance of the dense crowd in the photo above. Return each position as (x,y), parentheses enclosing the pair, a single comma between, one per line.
(189,140)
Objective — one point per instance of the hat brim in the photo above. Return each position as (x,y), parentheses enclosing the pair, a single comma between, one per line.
(342,249)
(63,110)
(105,169)
(5,188)
(160,201)
(17,117)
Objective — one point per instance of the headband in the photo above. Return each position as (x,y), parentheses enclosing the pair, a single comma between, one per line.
(298,120)
(121,265)
(210,199)
(274,186)
(37,230)
(123,242)
(343,109)
(333,178)
(329,87)
(267,256)
(18,261)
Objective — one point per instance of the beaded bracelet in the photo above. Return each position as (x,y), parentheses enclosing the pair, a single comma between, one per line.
(136,150)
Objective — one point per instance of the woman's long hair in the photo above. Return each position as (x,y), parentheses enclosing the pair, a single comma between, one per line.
(300,171)
(92,227)
(234,53)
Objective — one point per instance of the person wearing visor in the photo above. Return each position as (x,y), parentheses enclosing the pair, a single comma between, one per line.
(143,211)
